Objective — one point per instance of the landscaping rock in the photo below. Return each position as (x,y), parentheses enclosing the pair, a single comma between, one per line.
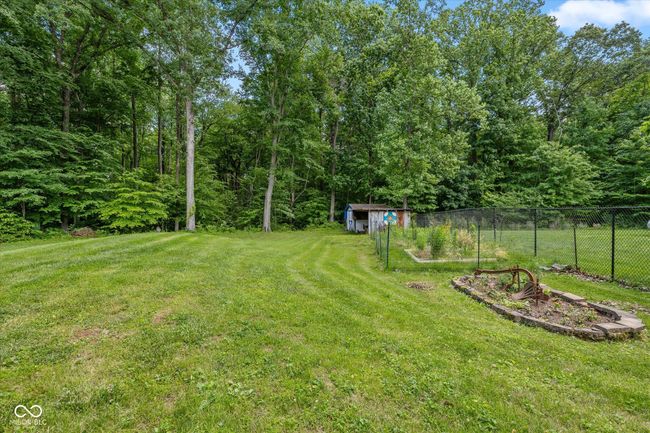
(634,324)
(612,328)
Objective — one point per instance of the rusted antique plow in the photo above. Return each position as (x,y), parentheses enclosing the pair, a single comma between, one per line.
(531,290)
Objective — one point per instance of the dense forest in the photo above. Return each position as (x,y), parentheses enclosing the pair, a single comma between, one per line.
(130,115)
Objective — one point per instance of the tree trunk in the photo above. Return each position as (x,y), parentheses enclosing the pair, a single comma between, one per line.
(64,221)
(190,221)
(268,196)
(179,140)
(65,124)
(161,151)
(134,134)
(333,137)
(23,209)
(550,131)
(405,202)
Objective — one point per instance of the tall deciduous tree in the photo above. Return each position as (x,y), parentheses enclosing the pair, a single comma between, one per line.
(197,35)
(275,44)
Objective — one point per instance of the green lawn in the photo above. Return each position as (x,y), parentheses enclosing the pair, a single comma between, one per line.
(289,332)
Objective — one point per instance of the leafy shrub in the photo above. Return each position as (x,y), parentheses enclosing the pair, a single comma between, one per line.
(313,211)
(214,228)
(136,205)
(13,227)
(464,241)
(421,243)
(439,239)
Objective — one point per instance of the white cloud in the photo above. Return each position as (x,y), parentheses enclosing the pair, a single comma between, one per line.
(573,14)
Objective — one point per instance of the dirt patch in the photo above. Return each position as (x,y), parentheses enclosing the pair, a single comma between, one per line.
(161,316)
(169,402)
(89,334)
(419,285)
(327,382)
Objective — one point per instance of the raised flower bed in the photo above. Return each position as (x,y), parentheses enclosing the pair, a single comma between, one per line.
(563,312)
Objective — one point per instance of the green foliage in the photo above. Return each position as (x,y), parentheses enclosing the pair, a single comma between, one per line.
(136,204)
(439,240)
(47,173)
(628,175)
(403,102)
(215,203)
(421,242)
(13,227)
(560,176)
(463,241)
(313,211)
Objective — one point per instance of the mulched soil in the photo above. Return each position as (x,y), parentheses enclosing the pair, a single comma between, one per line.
(556,310)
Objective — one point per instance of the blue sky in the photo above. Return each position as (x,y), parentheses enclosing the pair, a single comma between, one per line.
(573,14)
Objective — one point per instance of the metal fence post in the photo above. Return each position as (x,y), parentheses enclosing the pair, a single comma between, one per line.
(613,240)
(478,257)
(575,245)
(535,232)
(388,245)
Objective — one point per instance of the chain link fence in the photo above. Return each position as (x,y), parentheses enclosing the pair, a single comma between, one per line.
(608,242)
(613,243)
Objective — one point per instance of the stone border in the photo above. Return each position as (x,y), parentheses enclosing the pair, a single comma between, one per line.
(466,260)
(625,324)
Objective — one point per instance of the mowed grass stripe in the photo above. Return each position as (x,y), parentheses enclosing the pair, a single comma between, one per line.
(81,259)
(294,332)
(75,251)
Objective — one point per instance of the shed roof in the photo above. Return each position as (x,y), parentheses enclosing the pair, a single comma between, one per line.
(372,206)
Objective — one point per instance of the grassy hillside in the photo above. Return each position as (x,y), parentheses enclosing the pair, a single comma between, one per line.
(289,332)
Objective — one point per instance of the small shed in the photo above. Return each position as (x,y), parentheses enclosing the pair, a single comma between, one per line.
(366,218)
